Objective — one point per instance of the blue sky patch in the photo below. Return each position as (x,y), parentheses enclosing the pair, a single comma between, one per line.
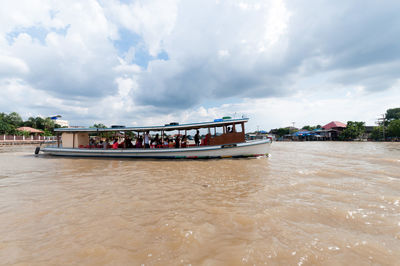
(125,1)
(163,55)
(129,39)
(36,32)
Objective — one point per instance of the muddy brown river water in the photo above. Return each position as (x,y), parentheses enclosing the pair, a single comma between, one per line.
(310,203)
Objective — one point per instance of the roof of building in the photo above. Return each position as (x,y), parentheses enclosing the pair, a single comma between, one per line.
(334,124)
(216,123)
(30,129)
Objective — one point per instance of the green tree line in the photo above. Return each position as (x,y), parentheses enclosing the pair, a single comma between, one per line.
(388,130)
(10,122)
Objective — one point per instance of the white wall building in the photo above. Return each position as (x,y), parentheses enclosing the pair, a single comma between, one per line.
(62,123)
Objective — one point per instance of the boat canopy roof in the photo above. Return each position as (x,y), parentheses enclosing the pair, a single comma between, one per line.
(216,123)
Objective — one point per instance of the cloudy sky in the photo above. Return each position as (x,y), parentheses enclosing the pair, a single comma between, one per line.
(156,61)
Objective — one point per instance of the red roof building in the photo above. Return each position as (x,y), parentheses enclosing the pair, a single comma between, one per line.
(30,130)
(335,125)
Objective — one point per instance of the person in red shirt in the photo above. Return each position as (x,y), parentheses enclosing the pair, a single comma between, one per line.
(115,144)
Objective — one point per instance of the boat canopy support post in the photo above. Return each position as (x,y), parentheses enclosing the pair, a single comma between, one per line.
(124,139)
(73,140)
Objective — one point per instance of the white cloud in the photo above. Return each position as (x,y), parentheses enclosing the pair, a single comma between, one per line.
(24,13)
(153,20)
(10,66)
(28,101)
(223,53)
(278,61)
(77,63)
(276,24)
(251,44)
(308,109)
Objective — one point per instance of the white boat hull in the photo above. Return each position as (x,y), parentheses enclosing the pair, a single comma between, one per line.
(246,149)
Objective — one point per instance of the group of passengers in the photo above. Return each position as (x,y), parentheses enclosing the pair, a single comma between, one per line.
(166,142)
(146,142)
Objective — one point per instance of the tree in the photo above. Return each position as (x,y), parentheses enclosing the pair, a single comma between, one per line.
(22,133)
(282,131)
(14,119)
(394,128)
(48,132)
(31,122)
(39,123)
(376,133)
(309,128)
(353,130)
(130,134)
(6,128)
(48,124)
(392,114)
(99,125)
(101,134)
(9,123)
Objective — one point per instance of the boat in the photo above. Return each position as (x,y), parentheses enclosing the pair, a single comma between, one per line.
(231,143)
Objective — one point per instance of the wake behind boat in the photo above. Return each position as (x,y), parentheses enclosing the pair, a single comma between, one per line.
(230,143)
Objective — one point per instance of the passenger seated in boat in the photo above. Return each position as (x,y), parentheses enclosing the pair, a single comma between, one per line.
(121,145)
(165,143)
(207,139)
(197,138)
(92,143)
(171,143)
(105,144)
(115,144)
(184,142)
(128,143)
(156,141)
(177,141)
(139,142)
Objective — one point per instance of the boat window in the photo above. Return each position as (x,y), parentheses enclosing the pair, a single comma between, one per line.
(239,128)
(217,131)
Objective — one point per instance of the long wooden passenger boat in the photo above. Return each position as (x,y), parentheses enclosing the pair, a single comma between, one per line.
(230,143)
